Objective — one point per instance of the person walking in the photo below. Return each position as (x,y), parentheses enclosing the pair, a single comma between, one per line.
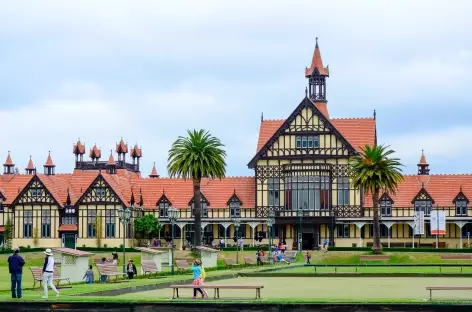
(15,266)
(258,258)
(307,258)
(131,269)
(89,275)
(48,274)
(202,278)
(197,274)
(325,245)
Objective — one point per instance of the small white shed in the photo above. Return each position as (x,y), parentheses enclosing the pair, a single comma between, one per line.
(73,263)
(154,255)
(209,256)
(166,255)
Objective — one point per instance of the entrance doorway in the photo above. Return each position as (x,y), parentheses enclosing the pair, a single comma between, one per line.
(69,240)
(308,241)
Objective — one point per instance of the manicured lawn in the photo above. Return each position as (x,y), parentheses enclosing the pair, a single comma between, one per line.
(339,289)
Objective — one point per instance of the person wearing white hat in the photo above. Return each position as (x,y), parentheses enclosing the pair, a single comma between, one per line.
(48,274)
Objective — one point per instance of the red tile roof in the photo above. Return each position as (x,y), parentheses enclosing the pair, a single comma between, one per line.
(79,148)
(316,63)
(357,131)
(30,165)
(423,159)
(12,185)
(154,172)
(68,227)
(443,188)
(111,160)
(8,161)
(95,152)
(136,151)
(122,147)
(49,162)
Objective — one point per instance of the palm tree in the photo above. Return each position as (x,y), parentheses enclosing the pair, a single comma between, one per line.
(200,155)
(373,171)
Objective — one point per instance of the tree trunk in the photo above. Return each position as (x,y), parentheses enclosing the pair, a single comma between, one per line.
(197,196)
(377,248)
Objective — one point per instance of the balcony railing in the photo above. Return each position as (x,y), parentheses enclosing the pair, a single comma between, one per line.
(409,212)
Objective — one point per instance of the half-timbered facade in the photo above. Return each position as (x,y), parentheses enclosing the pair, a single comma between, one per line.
(301,177)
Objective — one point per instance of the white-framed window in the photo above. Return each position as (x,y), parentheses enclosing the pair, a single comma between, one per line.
(28,224)
(234,208)
(424,205)
(385,208)
(304,141)
(110,223)
(91,217)
(273,187)
(343,230)
(461,208)
(163,209)
(46,223)
(343,191)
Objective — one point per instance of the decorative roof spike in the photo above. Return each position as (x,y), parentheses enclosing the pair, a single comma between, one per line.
(122,148)
(375,114)
(422,159)
(49,162)
(68,201)
(317,63)
(154,172)
(8,161)
(131,201)
(30,165)
(111,160)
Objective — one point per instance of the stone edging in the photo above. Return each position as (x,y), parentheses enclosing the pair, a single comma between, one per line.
(262,274)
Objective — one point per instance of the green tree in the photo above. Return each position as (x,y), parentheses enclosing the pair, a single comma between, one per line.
(374,171)
(200,155)
(146,227)
(8,234)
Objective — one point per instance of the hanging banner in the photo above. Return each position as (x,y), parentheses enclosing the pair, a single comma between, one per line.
(419,222)
(438,222)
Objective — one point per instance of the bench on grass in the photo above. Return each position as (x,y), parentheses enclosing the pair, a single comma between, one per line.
(229,263)
(38,276)
(277,261)
(188,260)
(431,288)
(149,267)
(290,255)
(217,288)
(374,258)
(109,269)
(456,257)
(248,261)
(98,261)
(264,259)
(182,265)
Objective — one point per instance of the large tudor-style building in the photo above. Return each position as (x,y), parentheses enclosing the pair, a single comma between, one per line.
(301,173)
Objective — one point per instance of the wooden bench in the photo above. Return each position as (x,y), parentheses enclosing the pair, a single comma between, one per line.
(149,267)
(291,255)
(182,265)
(374,258)
(264,259)
(248,261)
(109,269)
(188,260)
(217,288)
(38,276)
(456,257)
(229,262)
(431,288)
(98,261)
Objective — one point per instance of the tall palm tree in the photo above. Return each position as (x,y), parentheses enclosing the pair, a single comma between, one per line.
(200,155)
(372,171)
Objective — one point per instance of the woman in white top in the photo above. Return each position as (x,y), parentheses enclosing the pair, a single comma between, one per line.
(48,274)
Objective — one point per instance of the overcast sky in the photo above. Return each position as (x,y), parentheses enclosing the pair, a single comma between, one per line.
(148,70)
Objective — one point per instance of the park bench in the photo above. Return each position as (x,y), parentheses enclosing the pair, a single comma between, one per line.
(290,255)
(217,288)
(149,267)
(264,259)
(182,265)
(366,259)
(455,258)
(38,276)
(431,288)
(248,261)
(109,269)
(98,261)
(188,260)
(229,262)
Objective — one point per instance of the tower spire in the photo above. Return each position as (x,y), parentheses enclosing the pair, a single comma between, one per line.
(316,75)
(423,166)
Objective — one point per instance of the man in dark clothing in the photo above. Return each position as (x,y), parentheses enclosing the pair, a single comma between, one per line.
(15,266)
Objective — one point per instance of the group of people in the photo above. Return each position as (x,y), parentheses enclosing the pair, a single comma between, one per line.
(15,267)
(130,269)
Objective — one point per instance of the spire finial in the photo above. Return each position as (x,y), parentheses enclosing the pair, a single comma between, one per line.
(306,91)
(422,152)
(316,41)
(262,116)
(375,114)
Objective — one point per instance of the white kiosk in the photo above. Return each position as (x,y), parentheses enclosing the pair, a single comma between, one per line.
(73,263)
(166,256)
(209,256)
(154,255)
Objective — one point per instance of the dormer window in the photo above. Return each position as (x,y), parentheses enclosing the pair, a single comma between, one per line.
(205,205)
(461,203)
(234,206)
(385,205)
(310,141)
(423,202)
(163,204)
(100,191)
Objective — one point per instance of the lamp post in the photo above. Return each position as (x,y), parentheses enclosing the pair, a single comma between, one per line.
(172,213)
(125,216)
(270,223)
(300,235)
(237,223)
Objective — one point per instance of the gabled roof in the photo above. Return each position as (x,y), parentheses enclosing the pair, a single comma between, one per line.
(53,190)
(12,185)
(356,132)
